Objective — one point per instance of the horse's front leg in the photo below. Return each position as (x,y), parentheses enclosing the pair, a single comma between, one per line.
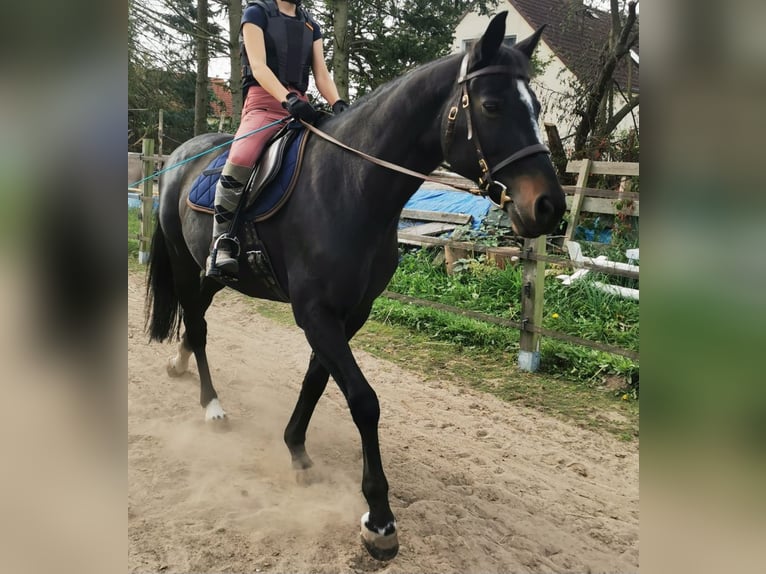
(327,336)
(314,384)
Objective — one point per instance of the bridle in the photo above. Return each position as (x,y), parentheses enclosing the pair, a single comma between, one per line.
(488,187)
(493,190)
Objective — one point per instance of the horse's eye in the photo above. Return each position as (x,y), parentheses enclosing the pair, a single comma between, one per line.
(491,106)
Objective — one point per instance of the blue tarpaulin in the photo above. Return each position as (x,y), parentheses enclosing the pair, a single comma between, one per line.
(449,201)
(134,201)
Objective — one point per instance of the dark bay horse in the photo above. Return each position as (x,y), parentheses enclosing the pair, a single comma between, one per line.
(333,245)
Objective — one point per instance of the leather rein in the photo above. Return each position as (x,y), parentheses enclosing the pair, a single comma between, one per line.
(487,187)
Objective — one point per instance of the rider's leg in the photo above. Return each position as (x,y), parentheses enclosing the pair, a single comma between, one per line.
(258,110)
(227,194)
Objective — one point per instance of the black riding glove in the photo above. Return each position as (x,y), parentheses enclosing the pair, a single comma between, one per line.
(339,106)
(299,109)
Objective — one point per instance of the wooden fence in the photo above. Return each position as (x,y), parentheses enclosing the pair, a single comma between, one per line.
(150,164)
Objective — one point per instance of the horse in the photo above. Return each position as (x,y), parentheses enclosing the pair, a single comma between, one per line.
(333,245)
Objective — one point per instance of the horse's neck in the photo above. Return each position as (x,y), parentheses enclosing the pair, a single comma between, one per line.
(401,124)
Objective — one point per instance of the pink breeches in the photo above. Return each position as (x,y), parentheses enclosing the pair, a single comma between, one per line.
(259,109)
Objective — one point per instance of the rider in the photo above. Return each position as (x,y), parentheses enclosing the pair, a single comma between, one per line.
(279,43)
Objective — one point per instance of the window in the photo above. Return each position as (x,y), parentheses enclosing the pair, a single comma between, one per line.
(507,41)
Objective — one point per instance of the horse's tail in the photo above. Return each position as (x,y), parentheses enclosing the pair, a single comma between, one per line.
(163,315)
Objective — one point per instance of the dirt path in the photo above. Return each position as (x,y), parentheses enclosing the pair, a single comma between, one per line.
(477,485)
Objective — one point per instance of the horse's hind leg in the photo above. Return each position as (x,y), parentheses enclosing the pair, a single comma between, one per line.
(179,363)
(195,298)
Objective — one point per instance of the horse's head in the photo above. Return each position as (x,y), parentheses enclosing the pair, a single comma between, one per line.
(491,134)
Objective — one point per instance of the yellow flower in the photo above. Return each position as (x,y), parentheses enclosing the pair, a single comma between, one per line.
(625,397)
(555,315)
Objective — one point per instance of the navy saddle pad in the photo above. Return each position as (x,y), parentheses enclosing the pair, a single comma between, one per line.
(202,194)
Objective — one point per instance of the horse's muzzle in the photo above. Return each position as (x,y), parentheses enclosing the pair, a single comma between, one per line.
(538,205)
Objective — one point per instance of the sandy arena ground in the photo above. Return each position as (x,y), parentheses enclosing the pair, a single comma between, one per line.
(476,484)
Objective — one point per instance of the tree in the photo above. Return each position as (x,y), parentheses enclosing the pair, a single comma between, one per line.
(370,43)
(597,120)
(159,78)
(340,45)
(201,43)
(235,19)
(164,39)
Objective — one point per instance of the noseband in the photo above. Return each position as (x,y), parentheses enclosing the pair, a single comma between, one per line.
(488,187)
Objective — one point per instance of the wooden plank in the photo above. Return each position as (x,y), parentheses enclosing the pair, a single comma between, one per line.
(450,176)
(433,228)
(605,167)
(420,240)
(508,252)
(580,265)
(603,205)
(606,193)
(513,324)
(421,215)
(574,212)
(152,157)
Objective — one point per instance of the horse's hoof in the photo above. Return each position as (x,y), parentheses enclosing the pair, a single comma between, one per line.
(214,412)
(381,545)
(307,477)
(302,462)
(173,369)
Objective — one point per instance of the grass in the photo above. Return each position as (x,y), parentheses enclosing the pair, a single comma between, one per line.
(134,228)
(580,310)
(575,384)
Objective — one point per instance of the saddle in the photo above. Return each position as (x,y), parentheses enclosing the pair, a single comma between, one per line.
(268,189)
(270,184)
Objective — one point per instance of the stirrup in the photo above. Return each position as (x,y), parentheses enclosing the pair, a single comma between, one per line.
(231,239)
(213,268)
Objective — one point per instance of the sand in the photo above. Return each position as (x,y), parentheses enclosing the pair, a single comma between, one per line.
(476,484)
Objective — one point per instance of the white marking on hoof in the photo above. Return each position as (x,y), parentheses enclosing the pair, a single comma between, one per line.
(380,545)
(179,364)
(214,411)
(176,368)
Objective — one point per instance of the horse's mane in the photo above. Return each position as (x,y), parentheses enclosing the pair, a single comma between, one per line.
(382,91)
(373,99)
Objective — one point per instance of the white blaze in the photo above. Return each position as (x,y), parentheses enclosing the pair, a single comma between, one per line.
(526,97)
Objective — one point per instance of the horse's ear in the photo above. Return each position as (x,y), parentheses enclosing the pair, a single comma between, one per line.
(528,45)
(488,45)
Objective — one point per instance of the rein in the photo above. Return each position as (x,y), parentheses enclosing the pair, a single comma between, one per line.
(388,164)
(487,187)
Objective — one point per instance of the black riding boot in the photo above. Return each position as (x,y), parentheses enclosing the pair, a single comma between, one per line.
(227,195)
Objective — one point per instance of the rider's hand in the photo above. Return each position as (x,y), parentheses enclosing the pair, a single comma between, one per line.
(339,106)
(298,108)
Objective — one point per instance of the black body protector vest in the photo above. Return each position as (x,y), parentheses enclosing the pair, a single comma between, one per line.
(289,45)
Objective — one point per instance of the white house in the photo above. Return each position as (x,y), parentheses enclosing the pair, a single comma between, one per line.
(573,35)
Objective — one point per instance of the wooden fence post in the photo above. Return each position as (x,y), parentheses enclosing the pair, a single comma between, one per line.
(574,213)
(147,202)
(532,288)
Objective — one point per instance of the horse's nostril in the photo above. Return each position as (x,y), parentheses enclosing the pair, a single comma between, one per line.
(544,209)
